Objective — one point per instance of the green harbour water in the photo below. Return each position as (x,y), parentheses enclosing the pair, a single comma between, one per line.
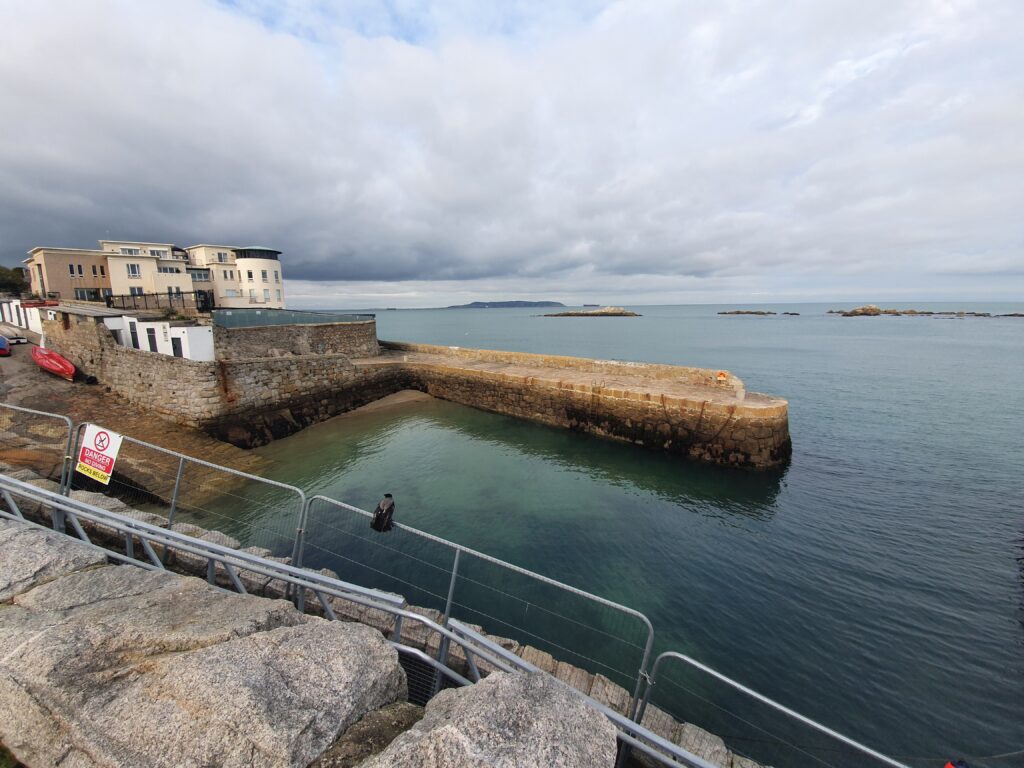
(875,584)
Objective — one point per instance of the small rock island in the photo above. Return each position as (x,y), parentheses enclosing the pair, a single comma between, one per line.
(870,310)
(749,312)
(602,312)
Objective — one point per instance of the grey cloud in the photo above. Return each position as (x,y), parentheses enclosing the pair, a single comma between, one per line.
(680,143)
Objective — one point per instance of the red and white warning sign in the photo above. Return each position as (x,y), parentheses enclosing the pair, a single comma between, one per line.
(98,452)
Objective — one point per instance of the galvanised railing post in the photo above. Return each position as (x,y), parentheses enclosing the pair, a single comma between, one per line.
(299,547)
(442,653)
(174,503)
(66,488)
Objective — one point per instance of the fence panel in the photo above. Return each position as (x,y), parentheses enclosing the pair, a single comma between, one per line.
(188,493)
(596,636)
(744,722)
(35,440)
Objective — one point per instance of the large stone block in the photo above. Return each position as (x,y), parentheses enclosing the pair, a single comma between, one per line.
(505,721)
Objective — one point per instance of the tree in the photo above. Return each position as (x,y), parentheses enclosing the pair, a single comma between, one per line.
(12,280)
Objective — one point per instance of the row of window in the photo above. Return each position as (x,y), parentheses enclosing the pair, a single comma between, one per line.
(91,294)
(81,271)
(158,252)
(230,293)
(135,272)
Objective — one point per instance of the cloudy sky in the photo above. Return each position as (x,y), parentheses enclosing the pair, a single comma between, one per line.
(412,153)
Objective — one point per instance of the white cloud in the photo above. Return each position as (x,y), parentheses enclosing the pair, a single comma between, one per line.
(659,150)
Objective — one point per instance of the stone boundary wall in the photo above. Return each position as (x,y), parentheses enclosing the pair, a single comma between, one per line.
(702,377)
(355,339)
(185,390)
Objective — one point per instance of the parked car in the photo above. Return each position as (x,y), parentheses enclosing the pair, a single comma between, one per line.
(5,347)
(16,339)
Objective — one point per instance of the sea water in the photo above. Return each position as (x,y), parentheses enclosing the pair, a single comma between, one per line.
(875,584)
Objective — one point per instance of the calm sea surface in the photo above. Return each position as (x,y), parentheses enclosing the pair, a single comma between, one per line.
(875,585)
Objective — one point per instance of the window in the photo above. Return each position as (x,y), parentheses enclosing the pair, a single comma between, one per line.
(176,347)
(106,292)
(225,274)
(160,252)
(130,251)
(232,273)
(252,293)
(103,271)
(277,276)
(71,269)
(169,270)
(136,290)
(81,272)
(94,270)
(134,270)
(222,257)
(266,294)
(249,272)
(278,294)
(263,275)
(82,294)
(134,334)
(231,293)
(151,337)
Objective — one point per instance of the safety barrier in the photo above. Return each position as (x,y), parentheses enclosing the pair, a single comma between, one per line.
(465,587)
(235,567)
(252,510)
(576,627)
(47,434)
(783,736)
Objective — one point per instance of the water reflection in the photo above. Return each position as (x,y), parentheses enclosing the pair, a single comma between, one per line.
(349,446)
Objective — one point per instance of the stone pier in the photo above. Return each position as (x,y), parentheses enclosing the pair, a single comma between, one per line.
(697,413)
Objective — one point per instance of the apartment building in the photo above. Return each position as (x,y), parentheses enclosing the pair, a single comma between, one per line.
(236,276)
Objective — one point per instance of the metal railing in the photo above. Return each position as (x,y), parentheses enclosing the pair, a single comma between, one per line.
(231,569)
(463,585)
(51,430)
(251,510)
(577,627)
(784,743)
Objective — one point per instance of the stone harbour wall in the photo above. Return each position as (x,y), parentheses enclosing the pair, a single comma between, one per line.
(699,413)
(703,377)
(737,434)
(356,339)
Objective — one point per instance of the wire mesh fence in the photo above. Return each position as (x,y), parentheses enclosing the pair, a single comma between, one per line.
(191,494)
(687,704)
(556,626)
(35,440)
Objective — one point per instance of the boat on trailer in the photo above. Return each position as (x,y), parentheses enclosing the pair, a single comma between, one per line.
(50,361)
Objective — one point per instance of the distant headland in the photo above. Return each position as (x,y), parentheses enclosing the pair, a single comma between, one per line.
(505,304)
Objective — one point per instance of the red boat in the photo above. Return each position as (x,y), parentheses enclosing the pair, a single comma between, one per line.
(50,361)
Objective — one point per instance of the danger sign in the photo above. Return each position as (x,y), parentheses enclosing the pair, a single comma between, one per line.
(97,453)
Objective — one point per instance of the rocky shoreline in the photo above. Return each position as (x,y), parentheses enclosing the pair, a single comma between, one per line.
(602,312)
(870,310)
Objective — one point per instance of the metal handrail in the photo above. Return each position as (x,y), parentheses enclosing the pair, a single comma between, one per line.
(764,700)
(66,461)
(149,534)
(458,548)
(182,458)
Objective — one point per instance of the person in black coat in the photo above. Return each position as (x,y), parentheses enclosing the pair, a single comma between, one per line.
(383,513)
